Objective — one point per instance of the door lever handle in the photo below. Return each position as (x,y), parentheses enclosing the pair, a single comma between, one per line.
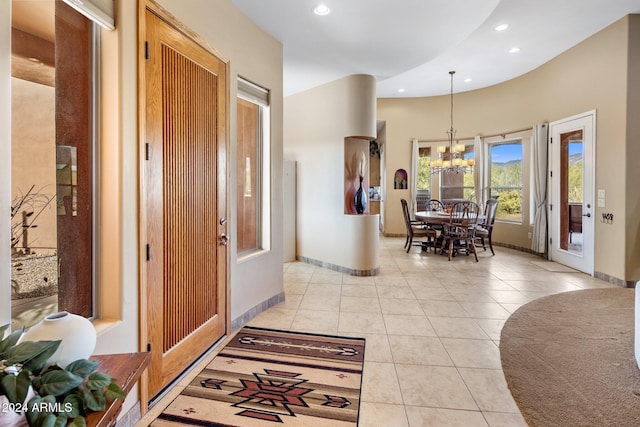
(588,214)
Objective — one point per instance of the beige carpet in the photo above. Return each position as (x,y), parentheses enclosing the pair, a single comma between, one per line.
(568,359)
(264,378)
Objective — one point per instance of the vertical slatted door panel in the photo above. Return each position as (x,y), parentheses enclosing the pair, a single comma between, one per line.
(190,238)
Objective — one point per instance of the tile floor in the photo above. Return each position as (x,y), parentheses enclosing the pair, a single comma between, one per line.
(432,329)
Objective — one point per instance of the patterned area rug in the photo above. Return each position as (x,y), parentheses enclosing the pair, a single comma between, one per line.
(265,377)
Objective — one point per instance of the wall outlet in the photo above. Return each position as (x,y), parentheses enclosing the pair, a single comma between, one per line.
(529,235)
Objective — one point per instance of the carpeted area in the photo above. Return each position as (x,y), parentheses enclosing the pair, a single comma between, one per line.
(265,377)
(568,359)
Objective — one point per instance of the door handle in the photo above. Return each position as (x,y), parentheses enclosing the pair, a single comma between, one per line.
(588,215)
(224,240)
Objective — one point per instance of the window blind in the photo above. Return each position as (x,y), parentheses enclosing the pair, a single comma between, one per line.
(99,11)
(252,92)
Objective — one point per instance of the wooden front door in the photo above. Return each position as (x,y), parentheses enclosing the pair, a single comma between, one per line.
(183,200)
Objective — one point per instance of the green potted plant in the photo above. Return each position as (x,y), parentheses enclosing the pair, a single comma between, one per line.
(41,394)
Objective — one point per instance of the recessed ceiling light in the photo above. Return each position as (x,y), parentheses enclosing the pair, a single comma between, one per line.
(502,27)
(514,50)
(467,80)
(321,9)
(400,90)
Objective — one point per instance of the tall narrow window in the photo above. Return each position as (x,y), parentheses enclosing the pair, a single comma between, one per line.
(253,168)
(424,171)
(52,144)
(505,178)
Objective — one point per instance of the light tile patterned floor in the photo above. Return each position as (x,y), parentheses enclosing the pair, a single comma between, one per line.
(432,329)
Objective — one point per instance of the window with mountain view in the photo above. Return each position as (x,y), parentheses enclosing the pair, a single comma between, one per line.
(505,178)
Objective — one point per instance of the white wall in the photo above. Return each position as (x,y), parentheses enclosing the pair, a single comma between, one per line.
(289,206)
(316,124)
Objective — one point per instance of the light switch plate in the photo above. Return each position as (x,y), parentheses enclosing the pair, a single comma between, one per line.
(601,203)
(601,193)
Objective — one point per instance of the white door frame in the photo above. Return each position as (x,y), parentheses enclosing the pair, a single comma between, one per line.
(580,261)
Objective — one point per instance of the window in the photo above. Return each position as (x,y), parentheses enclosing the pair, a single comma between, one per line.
(253,168)
(458,185)
(52,174)
(505,178)
(424,170)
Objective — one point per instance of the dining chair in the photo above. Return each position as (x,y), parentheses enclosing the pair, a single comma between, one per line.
(435,205)
(484,230)
(460,231)
(416,229)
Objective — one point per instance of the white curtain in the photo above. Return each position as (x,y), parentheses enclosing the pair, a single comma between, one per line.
(539,147)
(99,11)
(478,170)
(413,182)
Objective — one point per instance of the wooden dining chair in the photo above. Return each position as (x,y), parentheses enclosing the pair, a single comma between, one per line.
(460,231)
(435,205)
(416,230)
(484,230)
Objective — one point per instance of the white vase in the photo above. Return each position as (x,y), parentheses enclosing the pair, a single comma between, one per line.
(76,333)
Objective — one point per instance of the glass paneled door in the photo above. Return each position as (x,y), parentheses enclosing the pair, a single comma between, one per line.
(571,186)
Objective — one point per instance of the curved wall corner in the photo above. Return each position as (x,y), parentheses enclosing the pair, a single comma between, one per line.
(317,125)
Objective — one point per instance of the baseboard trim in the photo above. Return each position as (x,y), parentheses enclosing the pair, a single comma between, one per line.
(339,268)
(247,316)
(614,280)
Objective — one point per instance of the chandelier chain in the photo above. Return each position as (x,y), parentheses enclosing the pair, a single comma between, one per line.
(456,163)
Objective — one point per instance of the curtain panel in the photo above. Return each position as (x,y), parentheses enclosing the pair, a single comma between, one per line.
(539,150)
(478,172)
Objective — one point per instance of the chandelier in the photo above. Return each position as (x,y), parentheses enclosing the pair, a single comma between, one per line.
(456,162)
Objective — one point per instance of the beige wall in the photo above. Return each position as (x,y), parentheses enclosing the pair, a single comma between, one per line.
(632,155)
(590,76)
(318,123)
(33,157)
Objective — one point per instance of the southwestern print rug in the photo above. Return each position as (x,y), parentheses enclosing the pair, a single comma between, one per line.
(265,377)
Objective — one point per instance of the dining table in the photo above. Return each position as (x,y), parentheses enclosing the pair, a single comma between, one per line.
(433,217)
(437,218)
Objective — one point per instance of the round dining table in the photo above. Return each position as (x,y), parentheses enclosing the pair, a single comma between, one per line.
(433,217)
(437,217)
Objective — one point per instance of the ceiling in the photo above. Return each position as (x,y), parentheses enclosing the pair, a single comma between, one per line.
(413,44)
